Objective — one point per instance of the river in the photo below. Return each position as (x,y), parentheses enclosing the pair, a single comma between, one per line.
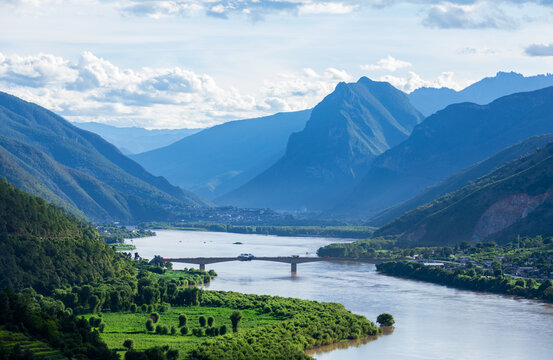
(432,321)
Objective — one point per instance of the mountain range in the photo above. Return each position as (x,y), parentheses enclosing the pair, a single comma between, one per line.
(134,140)
(462,178)
(43,154)
(513,200)
(446,142)
(221,158)
(429,100)
(346,131)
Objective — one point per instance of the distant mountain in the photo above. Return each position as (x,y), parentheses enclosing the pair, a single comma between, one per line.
(430,100)
(446,142)
(221,158)
(515,199)
(134,140)
(45,155)
(345,132)
(462,178)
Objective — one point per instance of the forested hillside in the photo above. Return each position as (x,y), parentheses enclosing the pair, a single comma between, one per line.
(45,248)
(45,155)
(510,201)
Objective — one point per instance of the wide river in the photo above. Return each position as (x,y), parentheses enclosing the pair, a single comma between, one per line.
(432,321)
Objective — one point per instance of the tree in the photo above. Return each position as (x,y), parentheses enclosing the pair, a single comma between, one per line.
(235,318)
(385,319)
(173,330)
(149,325)
(184,330)
(172,354)
(154,317)
(133,308)
(102,327)
(210,321)
(223,330)
(202,321)
(182,320)
(128,344)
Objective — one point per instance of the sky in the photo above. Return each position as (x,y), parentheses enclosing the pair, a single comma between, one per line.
(197,63)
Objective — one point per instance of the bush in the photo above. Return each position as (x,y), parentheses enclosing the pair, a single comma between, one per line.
(385,319)
(128,344)
(184,330)
(149,325)
(133,308)
(162,330)
(144,308)
(102,326)
(198,332)
(182,320)
(173,330)
(223,330)
(202,321)
(210,321)
(154,317)
(235,318)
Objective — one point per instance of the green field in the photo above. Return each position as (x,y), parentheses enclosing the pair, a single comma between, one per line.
(121,326)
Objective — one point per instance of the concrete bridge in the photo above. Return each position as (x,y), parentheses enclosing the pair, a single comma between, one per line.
(292,260)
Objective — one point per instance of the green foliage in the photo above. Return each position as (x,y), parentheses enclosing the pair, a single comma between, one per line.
(44,248)
(210,321)
(202,321)
(129,344)
(71,336)
(182,320)
(370,248)
(385,319)
(149,325)
(235,318)
(470,279)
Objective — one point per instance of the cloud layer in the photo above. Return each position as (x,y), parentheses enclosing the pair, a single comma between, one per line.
(95,89)
(539,50)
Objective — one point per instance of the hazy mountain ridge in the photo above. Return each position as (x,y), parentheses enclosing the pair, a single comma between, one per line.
(134,140)
(429,100)
(460,179)
(79,168)
(446,142)
(349,128)
(514,199)
(223,157)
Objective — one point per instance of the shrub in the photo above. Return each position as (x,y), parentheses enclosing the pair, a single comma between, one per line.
(128,344)
(154,317)
(385,319)
(182,320)
(202,321)
(223,330)
(184,330)
(133,308)
(210,321)
(149,325)
(173,330)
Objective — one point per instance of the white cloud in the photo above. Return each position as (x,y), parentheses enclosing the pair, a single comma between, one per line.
(326,8)
(95,89)
(481,15)
(413,81)
(387,64)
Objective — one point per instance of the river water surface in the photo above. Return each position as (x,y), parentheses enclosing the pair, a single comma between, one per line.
(432,321)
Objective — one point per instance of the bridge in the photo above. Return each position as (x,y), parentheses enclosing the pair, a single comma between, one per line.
(292,260)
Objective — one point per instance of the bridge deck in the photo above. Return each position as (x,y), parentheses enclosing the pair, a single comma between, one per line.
(283,259)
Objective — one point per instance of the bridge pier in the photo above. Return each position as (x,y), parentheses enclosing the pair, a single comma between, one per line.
(294,267)
(202,266)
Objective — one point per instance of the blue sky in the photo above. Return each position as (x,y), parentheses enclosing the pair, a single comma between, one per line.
(196,63)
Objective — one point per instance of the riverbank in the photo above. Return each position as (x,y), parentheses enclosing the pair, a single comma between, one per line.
(343,232)
(471,279)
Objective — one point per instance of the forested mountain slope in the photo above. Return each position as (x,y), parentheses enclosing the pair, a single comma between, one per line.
(45,155)
(516,199)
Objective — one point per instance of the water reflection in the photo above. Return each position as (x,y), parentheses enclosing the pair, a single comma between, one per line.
(348,344)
